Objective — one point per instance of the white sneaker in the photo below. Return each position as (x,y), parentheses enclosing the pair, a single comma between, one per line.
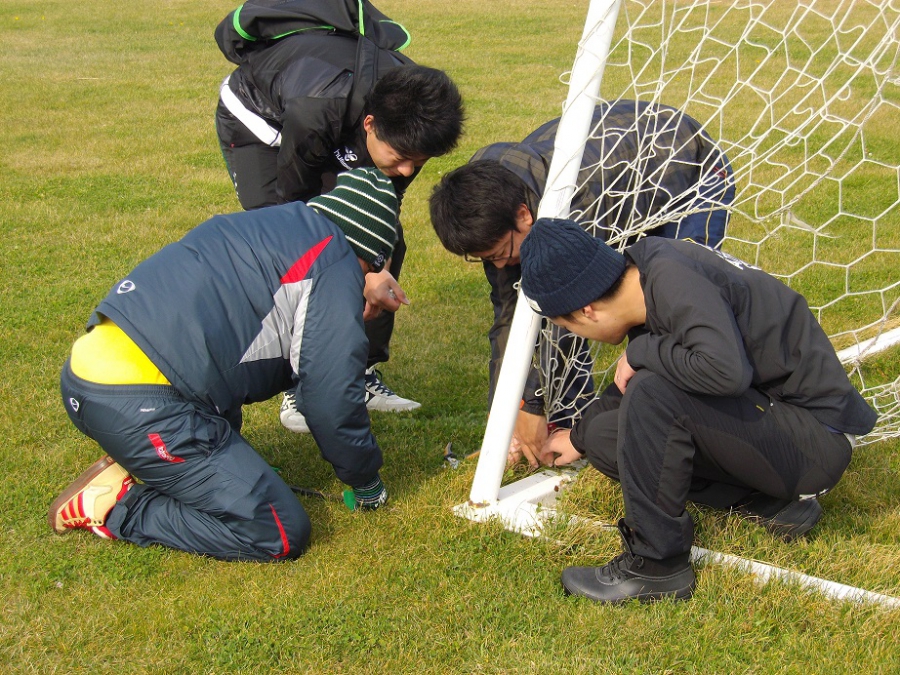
(291,418)
(380,397)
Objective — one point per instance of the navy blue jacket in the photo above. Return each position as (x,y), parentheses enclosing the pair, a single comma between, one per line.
(251,304)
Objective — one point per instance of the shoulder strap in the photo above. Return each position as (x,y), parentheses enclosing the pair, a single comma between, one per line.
(366,72)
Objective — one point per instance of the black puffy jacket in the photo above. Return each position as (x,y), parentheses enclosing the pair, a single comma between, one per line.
(306,66)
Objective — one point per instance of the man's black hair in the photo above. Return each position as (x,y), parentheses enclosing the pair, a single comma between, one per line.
(417,110)
(475,206)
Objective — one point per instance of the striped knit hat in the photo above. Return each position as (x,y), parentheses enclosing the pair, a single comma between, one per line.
(364,205)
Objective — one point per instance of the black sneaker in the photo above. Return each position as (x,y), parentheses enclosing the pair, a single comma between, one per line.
(782,517)
(628,576)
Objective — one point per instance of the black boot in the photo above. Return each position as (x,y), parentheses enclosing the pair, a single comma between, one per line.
(630,576)
(782,517)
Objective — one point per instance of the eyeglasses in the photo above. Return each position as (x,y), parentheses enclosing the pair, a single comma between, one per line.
(492,258)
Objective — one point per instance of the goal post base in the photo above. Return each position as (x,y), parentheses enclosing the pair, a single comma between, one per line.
(527,505)
(522,507)
(764,573)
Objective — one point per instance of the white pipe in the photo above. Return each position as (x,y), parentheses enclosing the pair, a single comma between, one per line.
(504,410)
(574,127)
(578,110)
(765,572)
(527,505)
(876,344)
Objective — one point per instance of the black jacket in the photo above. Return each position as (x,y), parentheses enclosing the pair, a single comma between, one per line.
(305,66)
(737,328)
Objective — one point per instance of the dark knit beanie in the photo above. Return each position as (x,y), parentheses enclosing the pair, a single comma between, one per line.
(564,268)
(364,205)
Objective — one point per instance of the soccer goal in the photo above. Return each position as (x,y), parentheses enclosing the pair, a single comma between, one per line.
(804,98)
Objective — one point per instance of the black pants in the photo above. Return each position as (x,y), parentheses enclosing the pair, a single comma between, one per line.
(252,166)
(667,446)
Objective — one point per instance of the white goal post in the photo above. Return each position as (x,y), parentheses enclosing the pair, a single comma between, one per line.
(804,98)
(562,175)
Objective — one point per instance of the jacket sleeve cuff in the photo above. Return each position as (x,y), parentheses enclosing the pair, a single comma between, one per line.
(576,440)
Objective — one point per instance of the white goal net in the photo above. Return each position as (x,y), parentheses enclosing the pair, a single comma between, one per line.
(804,98)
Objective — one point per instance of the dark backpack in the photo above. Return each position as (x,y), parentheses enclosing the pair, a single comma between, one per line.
(257,23)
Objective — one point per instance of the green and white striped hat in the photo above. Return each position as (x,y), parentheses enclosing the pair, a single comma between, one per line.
(364,205)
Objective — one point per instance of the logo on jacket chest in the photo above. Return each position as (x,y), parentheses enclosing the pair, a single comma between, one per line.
(125,287)
(345,156)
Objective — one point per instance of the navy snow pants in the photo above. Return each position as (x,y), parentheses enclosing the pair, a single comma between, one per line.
(202,488)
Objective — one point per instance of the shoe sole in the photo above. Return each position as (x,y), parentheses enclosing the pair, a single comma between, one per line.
(79,484)
(387,407)
(679,595)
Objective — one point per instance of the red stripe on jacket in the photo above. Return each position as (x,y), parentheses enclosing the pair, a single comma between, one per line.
(301,267)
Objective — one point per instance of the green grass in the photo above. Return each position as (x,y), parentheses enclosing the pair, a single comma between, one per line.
(109,153)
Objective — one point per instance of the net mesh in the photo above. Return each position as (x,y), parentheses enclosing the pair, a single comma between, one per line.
(803,98)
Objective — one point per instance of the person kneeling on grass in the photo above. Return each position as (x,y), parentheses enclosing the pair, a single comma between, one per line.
(730,396)
(242,308)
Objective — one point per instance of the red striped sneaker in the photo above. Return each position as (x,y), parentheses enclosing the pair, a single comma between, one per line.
(86,503)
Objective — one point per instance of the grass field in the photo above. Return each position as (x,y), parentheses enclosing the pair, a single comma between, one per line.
(109,153)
